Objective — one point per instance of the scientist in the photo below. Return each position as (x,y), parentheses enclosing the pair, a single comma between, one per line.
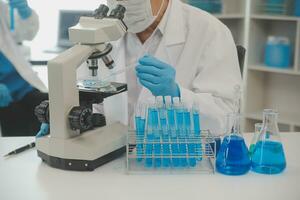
(181,51)
(20,89)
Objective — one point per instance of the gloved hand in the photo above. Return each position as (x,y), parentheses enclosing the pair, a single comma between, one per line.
(44,130)
(5,97)
(157,76)
(22,7)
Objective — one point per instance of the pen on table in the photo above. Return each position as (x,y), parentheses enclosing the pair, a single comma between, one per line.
(21,149)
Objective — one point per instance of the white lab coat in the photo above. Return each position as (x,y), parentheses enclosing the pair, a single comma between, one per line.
(204,55)
(24,30)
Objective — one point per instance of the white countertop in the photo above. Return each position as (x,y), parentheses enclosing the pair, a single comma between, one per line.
(24,176)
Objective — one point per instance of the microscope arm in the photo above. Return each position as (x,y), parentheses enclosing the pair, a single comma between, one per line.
(63,92)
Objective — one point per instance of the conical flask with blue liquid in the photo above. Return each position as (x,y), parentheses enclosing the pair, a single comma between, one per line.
(233,157)
(268,156)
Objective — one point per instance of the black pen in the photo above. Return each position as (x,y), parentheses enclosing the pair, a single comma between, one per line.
(21,149)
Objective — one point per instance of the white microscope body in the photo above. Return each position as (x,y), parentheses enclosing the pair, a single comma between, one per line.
(67,146)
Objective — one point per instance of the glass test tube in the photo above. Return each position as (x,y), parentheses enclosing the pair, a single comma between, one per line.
(166,162)
(149,137)
(179,116)
(140,121)
(189,138)
(172,131)
(157,139)
(197,132)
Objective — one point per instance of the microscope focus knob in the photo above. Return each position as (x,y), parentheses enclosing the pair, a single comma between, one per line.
(80,118)
(42,112)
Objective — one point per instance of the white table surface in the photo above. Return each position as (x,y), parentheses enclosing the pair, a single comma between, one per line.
(24,177)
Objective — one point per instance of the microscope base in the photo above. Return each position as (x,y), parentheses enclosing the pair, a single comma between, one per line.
(84,152)
(80,165)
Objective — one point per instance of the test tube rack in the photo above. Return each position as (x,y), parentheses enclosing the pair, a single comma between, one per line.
(181,156)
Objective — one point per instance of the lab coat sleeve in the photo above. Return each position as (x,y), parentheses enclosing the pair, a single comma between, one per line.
(25,29)
(213,86)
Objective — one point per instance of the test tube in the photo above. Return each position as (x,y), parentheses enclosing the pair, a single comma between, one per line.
(197,132)
(172,131)
(157,139)
(12,19)
(149,138)
(140,121)
(179,116)
(166,162)
(190,137)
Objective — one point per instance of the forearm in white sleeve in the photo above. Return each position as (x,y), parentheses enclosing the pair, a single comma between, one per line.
(213,87)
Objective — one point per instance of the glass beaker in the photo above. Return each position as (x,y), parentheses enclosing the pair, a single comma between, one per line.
(233,157)
(268,156)
(258,127)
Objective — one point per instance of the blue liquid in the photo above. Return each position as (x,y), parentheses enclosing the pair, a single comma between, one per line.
(140,134)
(166,148)
(157,143)
(196,120)
(12,19)
(174,148)
(233,157)
(149,150)
(191,144)
(150,139)
(268,158)
(182,137)
(173,135)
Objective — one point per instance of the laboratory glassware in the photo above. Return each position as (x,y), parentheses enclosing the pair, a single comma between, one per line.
(140,122)
(179,121)
(268,156)
(172,131)
(233,156)
(257,129)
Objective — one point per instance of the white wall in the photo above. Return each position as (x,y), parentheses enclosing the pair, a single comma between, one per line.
(48,13)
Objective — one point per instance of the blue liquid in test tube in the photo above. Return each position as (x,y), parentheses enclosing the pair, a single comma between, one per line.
(191,144)
(12,19)
(172,132)
(149,140)
(182,135)
(140,134)
(165,137)
(157,141)
(196,122)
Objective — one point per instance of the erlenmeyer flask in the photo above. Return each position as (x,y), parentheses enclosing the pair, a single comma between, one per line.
(268,156)
(258,127)
(233,157)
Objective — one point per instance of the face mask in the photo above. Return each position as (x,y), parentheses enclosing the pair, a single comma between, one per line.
(138,16)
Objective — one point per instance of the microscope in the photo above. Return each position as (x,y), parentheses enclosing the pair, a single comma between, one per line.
(80,139)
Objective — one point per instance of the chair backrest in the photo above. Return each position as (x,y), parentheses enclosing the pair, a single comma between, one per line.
(241,55)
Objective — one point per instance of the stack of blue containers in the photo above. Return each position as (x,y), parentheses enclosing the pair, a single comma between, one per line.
(212,6)
(297,8)
(275,7)
(278,52)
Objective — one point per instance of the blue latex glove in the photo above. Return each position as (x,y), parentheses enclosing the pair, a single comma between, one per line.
(22,7)
(44,130)
(157,76)
(5,97)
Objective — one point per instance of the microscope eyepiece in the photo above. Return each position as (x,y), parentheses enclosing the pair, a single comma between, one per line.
(118,12)
(101,12)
